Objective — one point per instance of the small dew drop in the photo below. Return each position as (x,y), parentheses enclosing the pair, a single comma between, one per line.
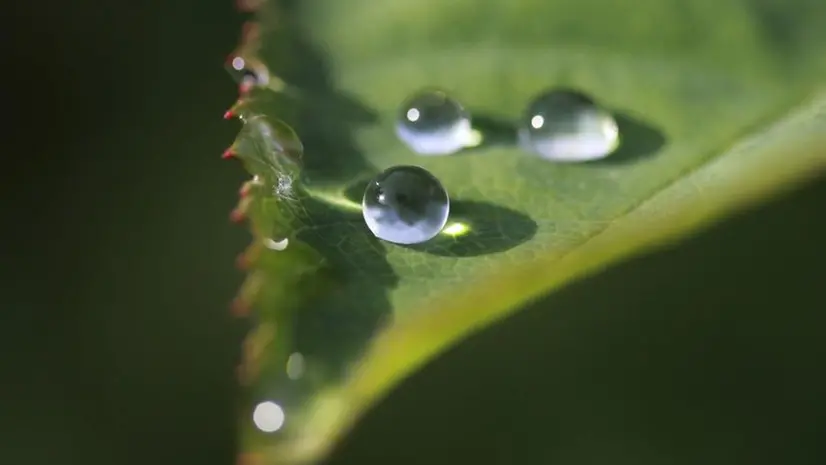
(268,417)
(272,244)
(295,366)
(248,72)
(405,205)
(431,122)
(249,5)
(565,125)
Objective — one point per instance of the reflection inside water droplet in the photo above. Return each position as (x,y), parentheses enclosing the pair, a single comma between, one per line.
(431,122)
(276,245)
(268,417)
(565,125)
(405,205)
(456,229)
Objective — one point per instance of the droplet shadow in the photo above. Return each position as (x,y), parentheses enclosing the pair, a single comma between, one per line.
(496,132)
(479,228)
(638,140)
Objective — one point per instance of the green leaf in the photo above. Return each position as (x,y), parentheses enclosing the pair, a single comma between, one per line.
(719,104)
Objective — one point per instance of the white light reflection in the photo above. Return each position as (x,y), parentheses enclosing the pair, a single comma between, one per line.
(276,245)
(268,417)
(456,229)
(238,63)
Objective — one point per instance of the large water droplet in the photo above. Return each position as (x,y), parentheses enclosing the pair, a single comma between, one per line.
(405,205)
(431,122)
(566,125)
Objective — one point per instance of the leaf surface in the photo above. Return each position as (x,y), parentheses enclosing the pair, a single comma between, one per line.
(719,104)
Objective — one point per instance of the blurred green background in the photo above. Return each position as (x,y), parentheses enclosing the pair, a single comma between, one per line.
(117,266)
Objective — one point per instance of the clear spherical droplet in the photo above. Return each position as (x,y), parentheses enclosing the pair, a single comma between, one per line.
(431,122)
(405,205)
(565,125)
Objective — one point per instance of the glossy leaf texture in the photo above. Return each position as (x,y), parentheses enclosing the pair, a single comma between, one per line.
(718,104)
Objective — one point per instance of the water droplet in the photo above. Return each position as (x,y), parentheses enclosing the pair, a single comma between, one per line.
(405,205)
(295,366)
(431,122)
(272,244)
(565,125)
(268,417)
(248,72)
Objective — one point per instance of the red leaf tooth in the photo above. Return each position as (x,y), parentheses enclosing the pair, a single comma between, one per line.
(228,153)
(241,375)
(248,257)
(238,215)
(240,307)
(242,262)
(250,458)
(245,189)
(245,87)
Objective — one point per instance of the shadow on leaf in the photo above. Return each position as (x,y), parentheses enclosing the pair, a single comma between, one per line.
(495,131)
(332,325)
(638,140)
(475,228)
(479,228)
(338,322)
(323,116)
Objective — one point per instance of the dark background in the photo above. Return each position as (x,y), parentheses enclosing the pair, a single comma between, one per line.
(117,268)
